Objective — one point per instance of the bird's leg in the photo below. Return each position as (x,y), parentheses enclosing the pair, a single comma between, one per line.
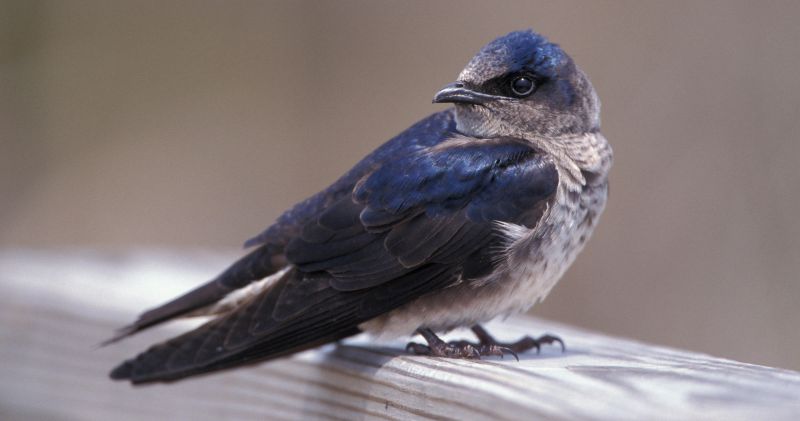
(457,349)
(522,345)
(439,348)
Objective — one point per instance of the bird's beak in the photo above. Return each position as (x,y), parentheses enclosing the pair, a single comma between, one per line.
(457,93)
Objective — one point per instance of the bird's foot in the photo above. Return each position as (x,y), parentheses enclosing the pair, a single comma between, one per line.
(439,348)
(497,349)
(520,346)
(444,350)
(456,349)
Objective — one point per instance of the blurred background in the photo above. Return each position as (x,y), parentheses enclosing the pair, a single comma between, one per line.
(192,124)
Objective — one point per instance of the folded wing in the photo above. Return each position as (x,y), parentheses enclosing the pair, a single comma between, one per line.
(413,224)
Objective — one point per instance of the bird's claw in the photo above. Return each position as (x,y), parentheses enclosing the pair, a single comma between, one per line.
(528,343)
(498,350)
(486,347)
(522,345)
(447,350)
(461,349)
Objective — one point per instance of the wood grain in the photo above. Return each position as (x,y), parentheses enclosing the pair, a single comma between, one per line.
(56,306)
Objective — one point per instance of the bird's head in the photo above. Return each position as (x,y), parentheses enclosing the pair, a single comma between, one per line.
(522,85)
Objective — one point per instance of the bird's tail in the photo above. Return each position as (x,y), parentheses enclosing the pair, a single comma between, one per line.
(245,335)
(298,311)
(256,265)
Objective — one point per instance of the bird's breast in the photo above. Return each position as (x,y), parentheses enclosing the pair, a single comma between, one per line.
(532,259)
(533,262)
(538,257)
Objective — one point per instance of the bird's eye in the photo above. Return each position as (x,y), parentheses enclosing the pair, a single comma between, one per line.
(522,86)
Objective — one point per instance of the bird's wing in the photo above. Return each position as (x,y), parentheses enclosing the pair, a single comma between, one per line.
(268,256)
(415,224)
(426,133)
(432,207)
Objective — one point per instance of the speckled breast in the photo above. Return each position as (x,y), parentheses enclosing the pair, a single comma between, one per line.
(534,258)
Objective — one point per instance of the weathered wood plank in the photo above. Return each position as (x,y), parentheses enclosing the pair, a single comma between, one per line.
(56,306)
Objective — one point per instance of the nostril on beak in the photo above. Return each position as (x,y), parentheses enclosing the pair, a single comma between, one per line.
(458,85)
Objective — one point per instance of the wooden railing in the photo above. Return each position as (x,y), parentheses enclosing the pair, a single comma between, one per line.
(56,307)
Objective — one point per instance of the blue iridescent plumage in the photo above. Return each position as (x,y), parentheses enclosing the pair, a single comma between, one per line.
(425,133)
(479,176)
(517,51)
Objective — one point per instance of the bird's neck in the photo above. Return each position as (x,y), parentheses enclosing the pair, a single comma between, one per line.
(580,154)
(576,152)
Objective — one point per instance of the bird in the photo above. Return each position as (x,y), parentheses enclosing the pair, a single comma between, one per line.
(472,213)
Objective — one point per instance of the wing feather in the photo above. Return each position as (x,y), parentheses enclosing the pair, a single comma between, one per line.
(412,224)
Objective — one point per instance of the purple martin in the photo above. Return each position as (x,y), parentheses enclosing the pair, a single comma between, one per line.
(472,213)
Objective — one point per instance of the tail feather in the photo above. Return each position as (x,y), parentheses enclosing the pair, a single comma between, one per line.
(256,265)
(208,348)
(252,334)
